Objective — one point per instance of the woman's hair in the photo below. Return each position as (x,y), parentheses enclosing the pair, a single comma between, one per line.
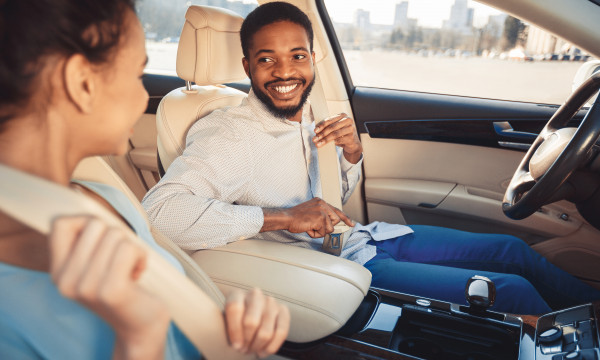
(32,30)
(270,13)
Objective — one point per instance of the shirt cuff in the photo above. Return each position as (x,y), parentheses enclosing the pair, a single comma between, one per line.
(346,165)
(253,219)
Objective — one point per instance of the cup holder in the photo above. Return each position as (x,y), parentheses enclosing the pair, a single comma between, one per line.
(439,335)
(478,356)
(419,347)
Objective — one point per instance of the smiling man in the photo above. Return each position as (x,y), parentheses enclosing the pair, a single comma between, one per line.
(252,171)
(281,77)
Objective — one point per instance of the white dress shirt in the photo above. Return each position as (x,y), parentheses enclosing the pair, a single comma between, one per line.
(239,160)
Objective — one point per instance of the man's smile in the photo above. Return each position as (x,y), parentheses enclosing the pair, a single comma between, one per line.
(285,90)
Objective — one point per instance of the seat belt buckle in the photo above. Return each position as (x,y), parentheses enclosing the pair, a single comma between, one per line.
(333,243)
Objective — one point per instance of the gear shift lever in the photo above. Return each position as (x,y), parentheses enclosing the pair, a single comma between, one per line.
(480,293)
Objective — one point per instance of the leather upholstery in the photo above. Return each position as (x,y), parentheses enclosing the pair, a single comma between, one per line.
(321,291)
(180,109)
(209,49)
(209,54)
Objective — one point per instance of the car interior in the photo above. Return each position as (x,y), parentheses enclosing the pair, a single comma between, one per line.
(430,159)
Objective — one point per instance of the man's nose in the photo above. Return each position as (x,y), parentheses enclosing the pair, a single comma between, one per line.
(284,69)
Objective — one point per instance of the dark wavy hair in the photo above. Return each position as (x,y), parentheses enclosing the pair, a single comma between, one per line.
(270,13)
(32,30)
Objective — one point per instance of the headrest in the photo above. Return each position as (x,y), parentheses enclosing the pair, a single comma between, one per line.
(209,51)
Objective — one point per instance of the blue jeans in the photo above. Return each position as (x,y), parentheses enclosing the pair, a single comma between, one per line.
(436,262)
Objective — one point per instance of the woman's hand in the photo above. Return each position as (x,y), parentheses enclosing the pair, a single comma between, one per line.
(98,267)
(256,323)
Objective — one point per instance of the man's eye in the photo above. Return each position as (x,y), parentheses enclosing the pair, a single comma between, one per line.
(299,56)
(265,60)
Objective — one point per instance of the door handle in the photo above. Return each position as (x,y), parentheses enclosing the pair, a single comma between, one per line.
(504,129)
(512,139)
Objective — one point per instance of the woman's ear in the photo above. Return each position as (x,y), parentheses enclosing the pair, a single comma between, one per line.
(79,79)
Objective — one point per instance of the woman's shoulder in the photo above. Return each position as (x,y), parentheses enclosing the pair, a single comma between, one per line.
(136,221)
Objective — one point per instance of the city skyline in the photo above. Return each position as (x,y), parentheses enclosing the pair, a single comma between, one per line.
(429,13)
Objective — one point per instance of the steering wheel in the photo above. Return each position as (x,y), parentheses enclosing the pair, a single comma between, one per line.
(554,155)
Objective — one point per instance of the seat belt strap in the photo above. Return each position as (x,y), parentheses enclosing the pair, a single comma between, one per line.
(329,172)
(36,202)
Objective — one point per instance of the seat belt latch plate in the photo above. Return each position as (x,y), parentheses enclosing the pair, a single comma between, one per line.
(334,243)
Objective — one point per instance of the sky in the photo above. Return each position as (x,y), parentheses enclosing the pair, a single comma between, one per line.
(430,13)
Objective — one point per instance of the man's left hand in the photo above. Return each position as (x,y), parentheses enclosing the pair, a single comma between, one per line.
(341,130)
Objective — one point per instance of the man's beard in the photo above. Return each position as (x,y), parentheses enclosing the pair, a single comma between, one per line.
(285,112)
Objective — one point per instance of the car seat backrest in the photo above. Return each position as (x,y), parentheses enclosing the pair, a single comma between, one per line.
(96,169)
(209,55)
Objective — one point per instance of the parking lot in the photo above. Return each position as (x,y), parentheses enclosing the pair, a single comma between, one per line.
(535,81)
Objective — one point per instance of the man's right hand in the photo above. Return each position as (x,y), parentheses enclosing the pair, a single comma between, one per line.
(315,217)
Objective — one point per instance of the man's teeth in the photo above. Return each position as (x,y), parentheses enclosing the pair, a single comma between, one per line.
(285,89)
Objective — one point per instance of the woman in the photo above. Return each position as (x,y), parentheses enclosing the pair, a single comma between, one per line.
(70,79)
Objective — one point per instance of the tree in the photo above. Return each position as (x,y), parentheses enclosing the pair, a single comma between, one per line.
(514,33)
(489,37)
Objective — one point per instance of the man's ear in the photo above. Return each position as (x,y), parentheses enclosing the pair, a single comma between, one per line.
(79,80)
(246,67)
(313,56)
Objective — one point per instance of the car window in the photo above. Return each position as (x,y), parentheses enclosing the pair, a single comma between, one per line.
(457,47)
(163,21)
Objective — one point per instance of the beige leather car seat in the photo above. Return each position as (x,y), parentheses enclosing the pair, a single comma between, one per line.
(209,55)
(321,291)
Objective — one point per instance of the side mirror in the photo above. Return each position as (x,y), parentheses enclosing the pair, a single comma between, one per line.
(585,71)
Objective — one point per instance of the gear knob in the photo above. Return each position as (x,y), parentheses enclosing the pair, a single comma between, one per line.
(480,293)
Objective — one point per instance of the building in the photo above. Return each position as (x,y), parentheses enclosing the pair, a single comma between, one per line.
(401,19)
(362,19)
(542,42)
(401,14)
(461,17)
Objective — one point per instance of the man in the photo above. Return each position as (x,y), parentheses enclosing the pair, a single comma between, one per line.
(251,171)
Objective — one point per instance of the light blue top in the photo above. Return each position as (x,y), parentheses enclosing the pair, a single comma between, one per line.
(37,322)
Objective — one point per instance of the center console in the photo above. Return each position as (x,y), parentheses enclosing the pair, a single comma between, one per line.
(392,325)
(568,334)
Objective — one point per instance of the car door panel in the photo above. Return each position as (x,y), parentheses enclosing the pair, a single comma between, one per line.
(443,160)
(454,185)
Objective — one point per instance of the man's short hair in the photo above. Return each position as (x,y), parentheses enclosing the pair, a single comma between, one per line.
(270,13)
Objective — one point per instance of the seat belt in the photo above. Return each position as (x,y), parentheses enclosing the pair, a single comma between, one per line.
(329,172)
(35,202)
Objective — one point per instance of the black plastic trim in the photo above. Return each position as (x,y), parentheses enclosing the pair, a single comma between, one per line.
(396,114)
(480,132)
(158,86)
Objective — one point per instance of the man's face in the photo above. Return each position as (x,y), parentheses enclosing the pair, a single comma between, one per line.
(280,66)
